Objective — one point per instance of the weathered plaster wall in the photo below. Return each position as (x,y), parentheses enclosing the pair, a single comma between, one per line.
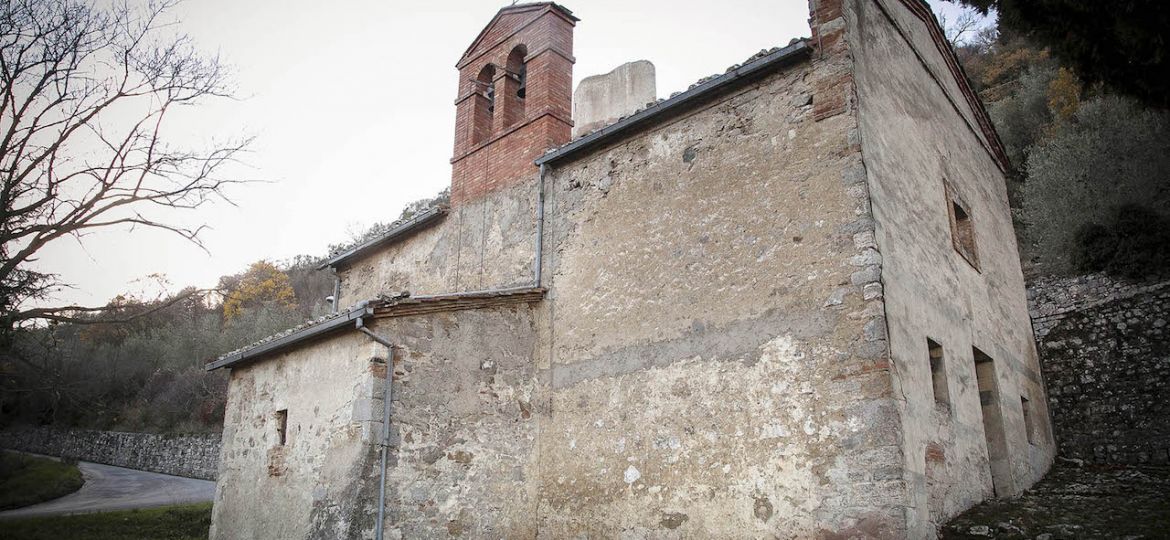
(482,244)
(1105,347)
(317,485)
(190,455)
(706,337)
(466,411)
(913,139)
(931,64)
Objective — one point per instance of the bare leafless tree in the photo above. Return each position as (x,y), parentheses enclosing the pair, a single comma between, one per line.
(965,26)
(85,93)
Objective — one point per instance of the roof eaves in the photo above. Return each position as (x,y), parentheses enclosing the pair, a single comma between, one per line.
(566,11)
(280,342)
(417,305)
(398,231)
(682,101)
(383,306)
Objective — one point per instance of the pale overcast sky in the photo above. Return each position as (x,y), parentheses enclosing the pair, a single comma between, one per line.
(351,104)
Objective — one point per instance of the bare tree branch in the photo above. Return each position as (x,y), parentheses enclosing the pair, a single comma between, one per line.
(72,314)
(71,159)
(965,25)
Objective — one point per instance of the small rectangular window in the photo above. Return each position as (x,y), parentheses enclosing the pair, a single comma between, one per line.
(1029,428)
(962,227)
(281,426)
(938,373)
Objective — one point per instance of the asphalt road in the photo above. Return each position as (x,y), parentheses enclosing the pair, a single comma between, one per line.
(114,488)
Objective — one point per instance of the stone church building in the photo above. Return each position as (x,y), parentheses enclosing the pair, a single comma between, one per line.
(784,303)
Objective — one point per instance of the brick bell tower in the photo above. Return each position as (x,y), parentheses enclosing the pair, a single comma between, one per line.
(515,98)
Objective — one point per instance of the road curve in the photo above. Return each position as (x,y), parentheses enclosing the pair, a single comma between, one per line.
(115,488)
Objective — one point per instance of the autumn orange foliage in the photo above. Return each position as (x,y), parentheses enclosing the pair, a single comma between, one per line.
(262,284)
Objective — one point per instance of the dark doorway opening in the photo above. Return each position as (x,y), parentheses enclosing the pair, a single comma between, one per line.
(993,429)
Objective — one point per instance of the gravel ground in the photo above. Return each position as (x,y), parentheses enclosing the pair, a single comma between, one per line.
(1076,502)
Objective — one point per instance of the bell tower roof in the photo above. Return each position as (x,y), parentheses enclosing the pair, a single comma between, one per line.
(508,21)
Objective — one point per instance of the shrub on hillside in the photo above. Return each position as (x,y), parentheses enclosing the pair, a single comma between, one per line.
(1111,154)
(1134,244)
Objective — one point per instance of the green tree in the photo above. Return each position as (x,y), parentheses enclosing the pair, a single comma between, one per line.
(1111,153)
(1135,243)
(1023,116)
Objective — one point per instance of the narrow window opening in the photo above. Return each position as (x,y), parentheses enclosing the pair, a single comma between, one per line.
(962,228)
(985,374)
(938,374)
(282,427)
(1029,428)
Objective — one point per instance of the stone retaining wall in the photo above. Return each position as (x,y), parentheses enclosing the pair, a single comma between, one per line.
(1105,348)
(192,456)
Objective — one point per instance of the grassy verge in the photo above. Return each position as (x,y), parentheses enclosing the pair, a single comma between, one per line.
(183,522)
(26,479)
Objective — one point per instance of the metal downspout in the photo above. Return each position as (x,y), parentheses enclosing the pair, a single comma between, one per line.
(387,395)
(336,290)
(539,262)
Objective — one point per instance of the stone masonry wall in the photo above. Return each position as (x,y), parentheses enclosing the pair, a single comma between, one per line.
(967,434)
(311,479)
(193,456)
(483,244)
(466,408)
(1105,348)
(716,358)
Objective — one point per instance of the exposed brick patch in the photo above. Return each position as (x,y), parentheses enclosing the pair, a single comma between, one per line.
(935,453)
(832,95)
(821,13)
(378,370)
(276,463)
(833,86)
(831,38)
(827,10)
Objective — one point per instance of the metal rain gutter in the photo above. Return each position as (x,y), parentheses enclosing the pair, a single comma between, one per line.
(410,225)
(679,102)
(335,304)
(538,263)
